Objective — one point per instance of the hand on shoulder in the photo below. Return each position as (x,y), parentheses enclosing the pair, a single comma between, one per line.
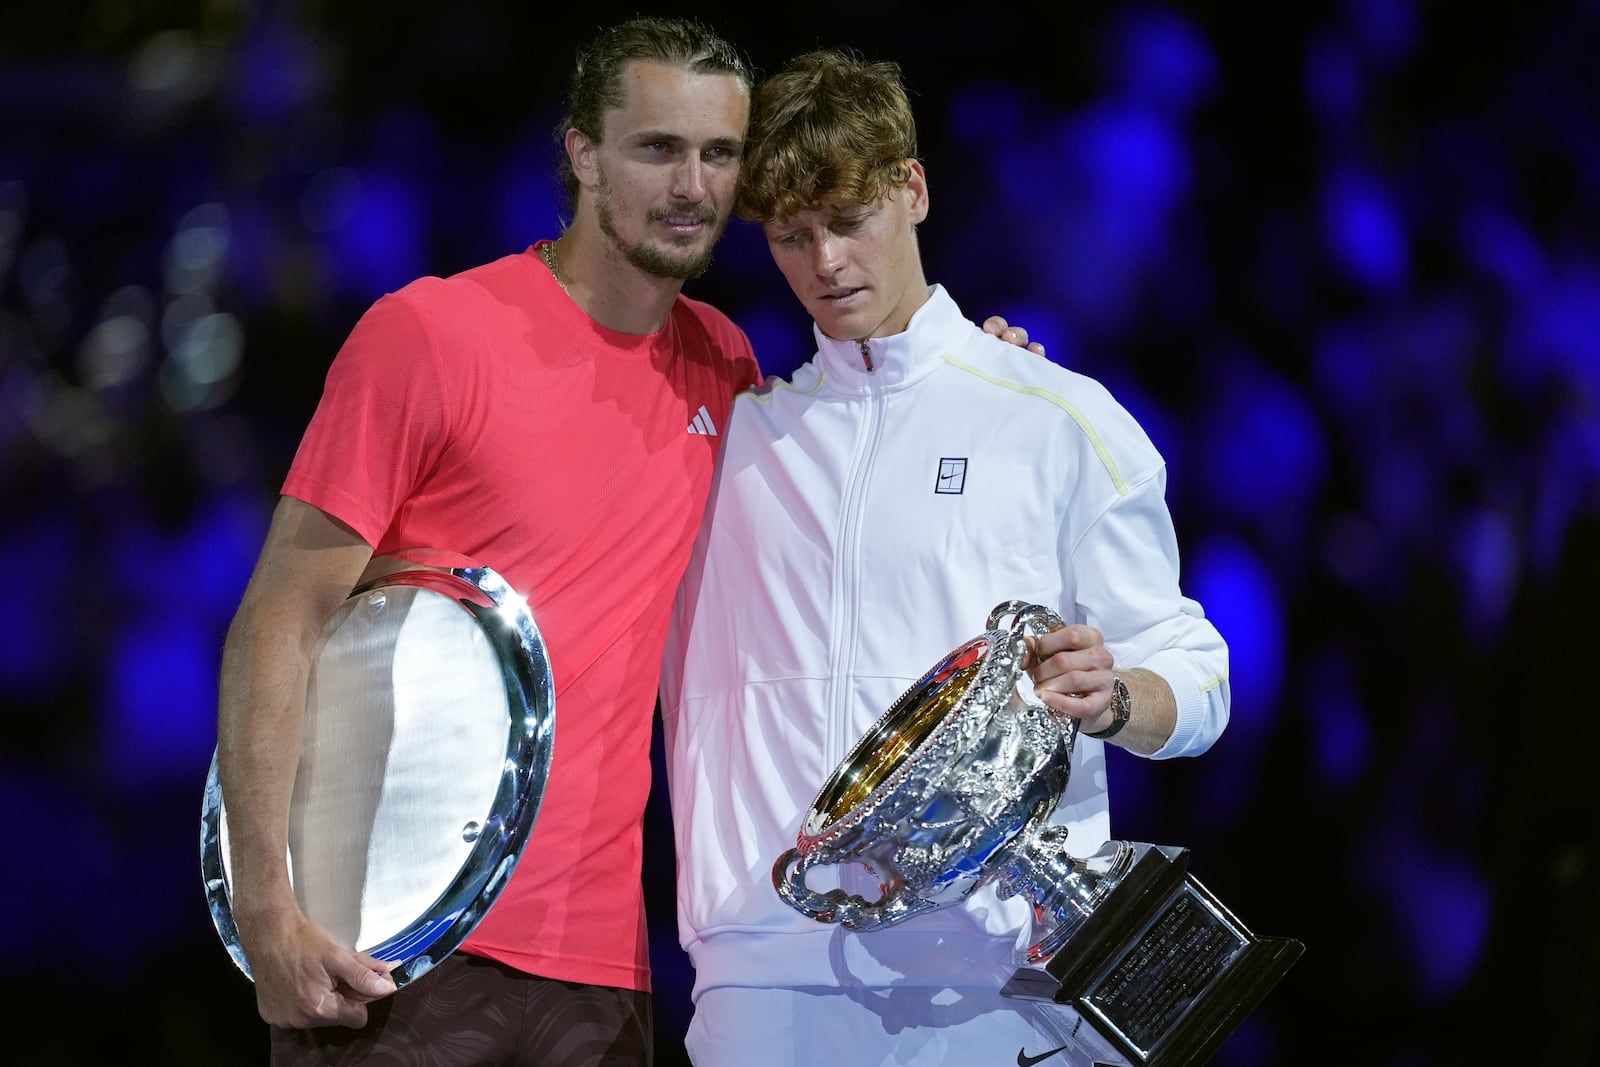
(1015,335)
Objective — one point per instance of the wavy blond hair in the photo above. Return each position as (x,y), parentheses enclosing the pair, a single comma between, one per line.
(829,126)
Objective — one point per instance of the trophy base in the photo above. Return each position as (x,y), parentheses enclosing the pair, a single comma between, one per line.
(1160,970)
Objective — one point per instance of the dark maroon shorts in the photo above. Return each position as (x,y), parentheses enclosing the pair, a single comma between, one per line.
(473,1012)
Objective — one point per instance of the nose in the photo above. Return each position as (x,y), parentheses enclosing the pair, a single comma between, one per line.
(690,180)
(827,257)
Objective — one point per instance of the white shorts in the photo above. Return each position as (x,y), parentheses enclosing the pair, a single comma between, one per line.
(736,1026)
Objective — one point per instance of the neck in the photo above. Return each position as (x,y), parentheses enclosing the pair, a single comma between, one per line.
(917,294)
(609,289)
(898,321)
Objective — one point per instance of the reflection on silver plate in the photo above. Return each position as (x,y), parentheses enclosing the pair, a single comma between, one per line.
(430,720)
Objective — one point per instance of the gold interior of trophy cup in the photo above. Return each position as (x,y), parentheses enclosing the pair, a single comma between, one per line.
(903,730)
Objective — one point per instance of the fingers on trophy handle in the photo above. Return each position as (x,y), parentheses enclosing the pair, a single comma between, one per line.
(1036,616)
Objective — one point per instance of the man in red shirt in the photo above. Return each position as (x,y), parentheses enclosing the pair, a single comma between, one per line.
(545,414)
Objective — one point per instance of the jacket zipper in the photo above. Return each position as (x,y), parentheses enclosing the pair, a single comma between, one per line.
(866,356)
(847,568)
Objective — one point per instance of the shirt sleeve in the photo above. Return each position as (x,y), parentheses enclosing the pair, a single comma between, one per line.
(379,424)
(1126,565)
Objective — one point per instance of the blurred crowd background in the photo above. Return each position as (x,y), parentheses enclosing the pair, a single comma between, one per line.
(1341,258)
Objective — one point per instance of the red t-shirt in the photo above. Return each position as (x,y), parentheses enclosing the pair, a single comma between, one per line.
(485,414)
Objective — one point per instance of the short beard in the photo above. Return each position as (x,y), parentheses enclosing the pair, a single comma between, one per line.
(648,258)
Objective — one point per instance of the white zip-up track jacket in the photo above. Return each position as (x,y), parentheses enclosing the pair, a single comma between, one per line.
(863,524)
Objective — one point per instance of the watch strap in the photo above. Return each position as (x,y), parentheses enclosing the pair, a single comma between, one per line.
(1121,709)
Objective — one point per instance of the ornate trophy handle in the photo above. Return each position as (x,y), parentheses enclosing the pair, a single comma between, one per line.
(1040,618)
(837,906)
(790,882)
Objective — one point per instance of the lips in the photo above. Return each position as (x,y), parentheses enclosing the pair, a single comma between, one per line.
(687,216)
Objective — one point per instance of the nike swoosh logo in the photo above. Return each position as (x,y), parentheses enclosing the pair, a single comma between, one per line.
(1025,1060)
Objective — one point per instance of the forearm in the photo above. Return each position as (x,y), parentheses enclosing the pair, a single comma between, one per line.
(306,569)
(1152,713)
(260,722)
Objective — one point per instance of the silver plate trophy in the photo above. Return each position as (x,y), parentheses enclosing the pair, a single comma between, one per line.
(952,788)
(430,720)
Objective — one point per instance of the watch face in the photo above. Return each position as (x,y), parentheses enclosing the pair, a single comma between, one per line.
(1120,710)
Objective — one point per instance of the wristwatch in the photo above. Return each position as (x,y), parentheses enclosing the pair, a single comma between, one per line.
(1121,708)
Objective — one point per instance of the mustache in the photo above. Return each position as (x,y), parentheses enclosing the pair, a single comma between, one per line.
(700,212)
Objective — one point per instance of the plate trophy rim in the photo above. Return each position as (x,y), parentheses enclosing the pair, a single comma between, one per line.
(518,644)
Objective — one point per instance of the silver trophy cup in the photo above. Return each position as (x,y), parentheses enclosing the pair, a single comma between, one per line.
(430,721)
(952,788)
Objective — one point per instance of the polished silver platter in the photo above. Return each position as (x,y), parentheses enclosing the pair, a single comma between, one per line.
(430,721)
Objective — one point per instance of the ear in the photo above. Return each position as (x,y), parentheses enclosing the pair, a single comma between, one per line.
(916,192)
(581,153)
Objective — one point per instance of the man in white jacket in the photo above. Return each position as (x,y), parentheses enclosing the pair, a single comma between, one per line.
(867,515)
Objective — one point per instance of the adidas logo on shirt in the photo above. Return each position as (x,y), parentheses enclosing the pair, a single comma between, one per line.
(702,424)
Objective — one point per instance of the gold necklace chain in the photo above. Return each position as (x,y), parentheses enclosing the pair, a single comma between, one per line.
(552,259)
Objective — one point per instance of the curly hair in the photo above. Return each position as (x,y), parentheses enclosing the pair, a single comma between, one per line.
(829,126)
(596,85)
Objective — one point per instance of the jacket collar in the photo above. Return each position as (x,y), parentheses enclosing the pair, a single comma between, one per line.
(896,360)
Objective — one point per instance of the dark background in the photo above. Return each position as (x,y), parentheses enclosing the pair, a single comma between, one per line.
(1342,260)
